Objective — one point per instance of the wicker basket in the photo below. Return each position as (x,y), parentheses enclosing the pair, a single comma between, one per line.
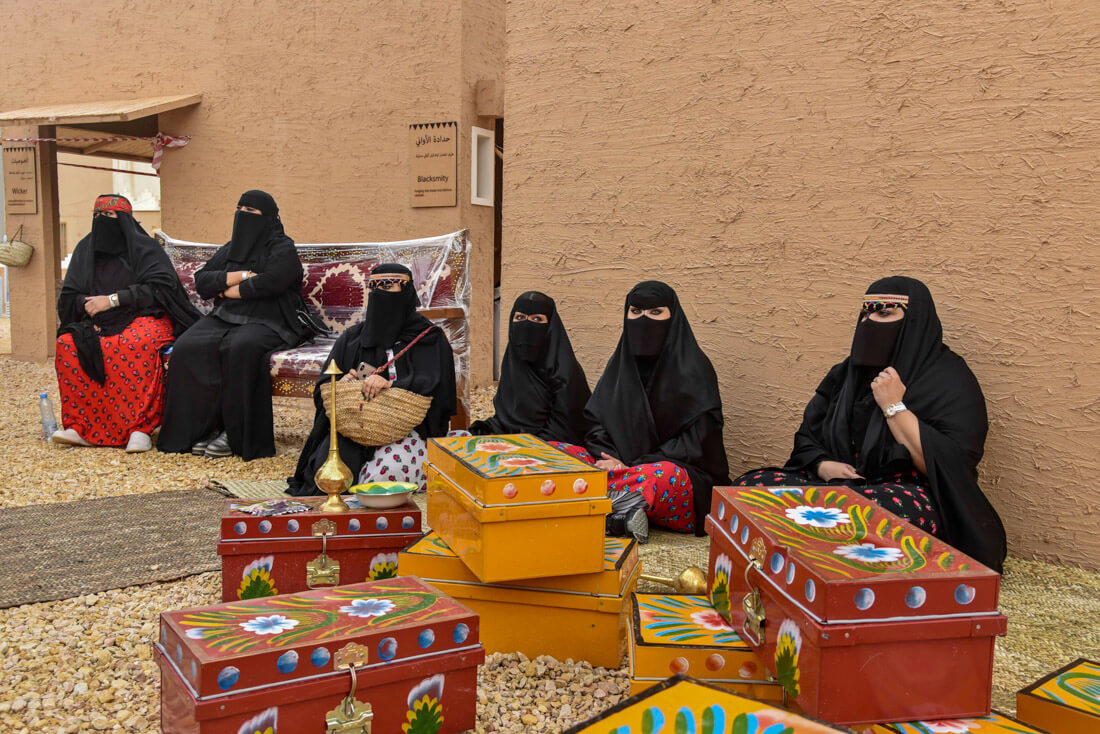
(389,417)
(15,253)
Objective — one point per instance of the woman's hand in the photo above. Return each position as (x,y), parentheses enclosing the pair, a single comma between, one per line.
(830,470)
(349,375)
(888,388)
(609,463)
(96,304)
(234,292)
(374,385)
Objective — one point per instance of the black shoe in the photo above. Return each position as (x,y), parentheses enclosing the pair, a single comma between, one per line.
(219,447)
(628,524)
(199,449)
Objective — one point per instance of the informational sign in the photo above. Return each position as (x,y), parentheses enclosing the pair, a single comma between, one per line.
(21,180)
(433,150)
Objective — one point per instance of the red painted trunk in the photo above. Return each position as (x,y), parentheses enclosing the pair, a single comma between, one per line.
(866,618)
(268,555)
(271,665)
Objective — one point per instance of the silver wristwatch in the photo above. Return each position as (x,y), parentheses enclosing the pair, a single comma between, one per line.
(892,410)
(113,298)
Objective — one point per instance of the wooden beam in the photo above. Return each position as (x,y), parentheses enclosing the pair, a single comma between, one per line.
(93,112)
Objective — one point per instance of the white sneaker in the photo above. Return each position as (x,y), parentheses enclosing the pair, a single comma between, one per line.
(68,437)
(139,443)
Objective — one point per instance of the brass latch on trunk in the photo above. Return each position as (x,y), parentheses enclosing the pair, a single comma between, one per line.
(351,716)
(753,603)
(323,571)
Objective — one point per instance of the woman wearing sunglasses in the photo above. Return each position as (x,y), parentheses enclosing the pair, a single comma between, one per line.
(219,377)
(383,338)
(902,420)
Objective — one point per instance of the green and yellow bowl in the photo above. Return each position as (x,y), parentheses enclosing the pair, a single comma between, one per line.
(383,495)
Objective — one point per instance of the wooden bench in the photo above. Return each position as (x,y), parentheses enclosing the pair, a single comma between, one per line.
(334,289)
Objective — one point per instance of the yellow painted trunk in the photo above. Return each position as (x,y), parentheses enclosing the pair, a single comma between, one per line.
(514,507)
(1065,702)
(682,633)
(995,723)
(580,617)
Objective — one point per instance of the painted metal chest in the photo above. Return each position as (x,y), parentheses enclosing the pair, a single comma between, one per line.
(1065,702)
(265,555)
(396,653)
(862,617)
(581,617)
(514,507)
(682,704)
(995,723)
(681,633)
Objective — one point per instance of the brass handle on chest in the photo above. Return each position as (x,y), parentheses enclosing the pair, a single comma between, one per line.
(351,716)
(323,571)
(753,603)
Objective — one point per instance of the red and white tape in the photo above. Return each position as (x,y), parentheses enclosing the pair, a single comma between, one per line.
(160,141)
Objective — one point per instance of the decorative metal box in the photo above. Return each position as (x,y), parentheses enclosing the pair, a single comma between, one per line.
(265,555)
(1065,702)
(995,723)
(514,507)
(856,612)
(580,617)
(681,633)
(682,704)
(385,656)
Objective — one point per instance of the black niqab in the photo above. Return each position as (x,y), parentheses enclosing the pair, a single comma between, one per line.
(250,230)
(546,394)
(391,314)
(943,394)
(675,415)
(107,236)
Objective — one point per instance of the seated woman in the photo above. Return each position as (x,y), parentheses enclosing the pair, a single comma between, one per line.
(656,415)
(219,378)
(427,368)
(120,305)
(901,420)
(542,388)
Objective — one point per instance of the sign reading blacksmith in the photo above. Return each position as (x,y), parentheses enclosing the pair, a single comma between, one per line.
(21,180)
(433,149)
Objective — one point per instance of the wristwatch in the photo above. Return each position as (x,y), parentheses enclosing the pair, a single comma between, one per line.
(892,410)
(113,298)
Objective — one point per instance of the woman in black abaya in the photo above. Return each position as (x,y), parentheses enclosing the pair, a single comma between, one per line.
(542,389)
(120,305)
(656,415)
(427,368)
(219,379)
(903,421)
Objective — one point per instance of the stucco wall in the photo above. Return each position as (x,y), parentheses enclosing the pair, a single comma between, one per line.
(771,159)
(309,101)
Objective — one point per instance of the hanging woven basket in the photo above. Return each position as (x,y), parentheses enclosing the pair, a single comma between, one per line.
(15,253)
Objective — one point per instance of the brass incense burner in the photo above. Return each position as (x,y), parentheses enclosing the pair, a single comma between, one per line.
(692,580)
(334,477)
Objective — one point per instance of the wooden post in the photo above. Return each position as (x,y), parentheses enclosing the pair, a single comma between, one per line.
(34,287)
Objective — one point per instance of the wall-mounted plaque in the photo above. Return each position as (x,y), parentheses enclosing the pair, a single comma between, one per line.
(21,180)
(433,148)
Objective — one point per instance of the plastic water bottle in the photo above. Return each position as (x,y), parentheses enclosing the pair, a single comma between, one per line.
(49,422)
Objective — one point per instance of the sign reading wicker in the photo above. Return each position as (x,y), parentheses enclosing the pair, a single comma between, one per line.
(390,416)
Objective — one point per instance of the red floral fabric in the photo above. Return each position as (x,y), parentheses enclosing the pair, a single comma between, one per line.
(112,203)
(132,397)
(665,486)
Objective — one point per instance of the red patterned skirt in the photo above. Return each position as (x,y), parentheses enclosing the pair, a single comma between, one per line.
(130,399)
(665,487)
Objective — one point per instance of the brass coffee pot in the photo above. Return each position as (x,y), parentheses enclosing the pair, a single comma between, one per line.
(334,477)
(692,580)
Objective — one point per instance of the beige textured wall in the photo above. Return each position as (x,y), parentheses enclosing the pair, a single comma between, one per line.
(771,159)
(308,101)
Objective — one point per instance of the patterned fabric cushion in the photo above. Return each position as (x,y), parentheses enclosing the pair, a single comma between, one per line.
(295,371)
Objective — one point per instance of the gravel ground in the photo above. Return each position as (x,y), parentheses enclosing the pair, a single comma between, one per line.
(85,664)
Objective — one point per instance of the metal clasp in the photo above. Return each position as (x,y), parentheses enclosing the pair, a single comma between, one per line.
(323,571)
(753,603)
(351,716)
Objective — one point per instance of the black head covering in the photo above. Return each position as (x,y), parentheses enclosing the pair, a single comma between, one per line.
(390,315)
(680,387)
(250,230)
(543,389)
(943,394)
(107,236)
(148,266)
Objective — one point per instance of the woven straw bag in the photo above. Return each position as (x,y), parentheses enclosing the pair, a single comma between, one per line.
(390,417)
(15,253)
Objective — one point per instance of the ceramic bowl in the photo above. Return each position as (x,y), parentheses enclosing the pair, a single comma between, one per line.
(383,495)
